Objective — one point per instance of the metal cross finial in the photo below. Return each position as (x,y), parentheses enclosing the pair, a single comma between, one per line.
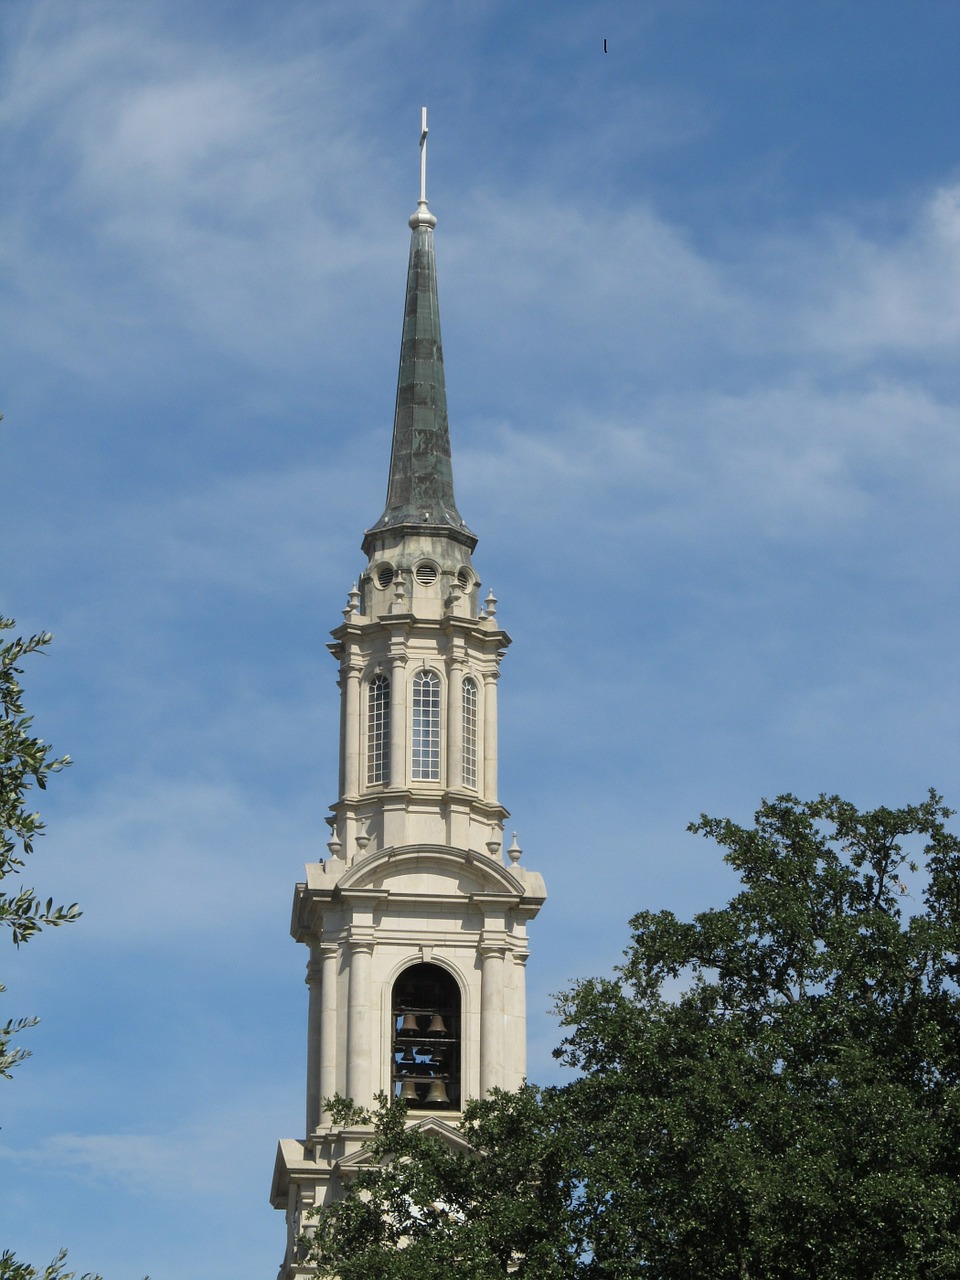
(422,217)
(423,156)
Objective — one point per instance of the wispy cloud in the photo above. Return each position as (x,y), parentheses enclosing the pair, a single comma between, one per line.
(890,296)
(176,1164)
(785,462)
(190,183)
(149,859)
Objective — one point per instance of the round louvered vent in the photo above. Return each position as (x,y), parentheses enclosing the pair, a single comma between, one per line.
(385,575)
(463,577)
(425,573)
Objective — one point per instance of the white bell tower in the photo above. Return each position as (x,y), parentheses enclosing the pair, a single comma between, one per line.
(416,922)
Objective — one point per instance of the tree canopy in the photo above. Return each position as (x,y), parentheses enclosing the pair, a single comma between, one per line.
(11,1269)
(25,761)
(769,1090)
(422,1209)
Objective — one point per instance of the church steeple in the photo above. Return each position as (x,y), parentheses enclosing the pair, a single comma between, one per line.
(416,923)
(420,487)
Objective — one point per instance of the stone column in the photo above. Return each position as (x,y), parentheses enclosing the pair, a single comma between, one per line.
(455,722)
(398,720)
(520,1018)
(490,736)
(328,1025)
(314,1040)
(351,734)
(491,1017)
(360,1023)
(342,686)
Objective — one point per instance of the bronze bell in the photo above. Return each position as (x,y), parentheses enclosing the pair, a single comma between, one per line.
(408,1091)
(437,1093)
(408,1027)
(408,1060)
(437,1026)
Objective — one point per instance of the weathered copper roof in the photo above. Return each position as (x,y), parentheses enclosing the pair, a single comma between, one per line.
(420,488)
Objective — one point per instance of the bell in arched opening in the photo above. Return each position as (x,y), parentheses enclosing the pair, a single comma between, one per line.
(426,996)
(437,1094)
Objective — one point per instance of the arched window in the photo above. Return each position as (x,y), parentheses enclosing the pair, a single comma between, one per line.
(469,732)
(425,760)
(425,1053)
(378,731)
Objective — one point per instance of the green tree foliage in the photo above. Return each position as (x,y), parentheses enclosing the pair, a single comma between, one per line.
(421,1210)
(772,1089)
(11,1269)
(769,1091)
(25,762)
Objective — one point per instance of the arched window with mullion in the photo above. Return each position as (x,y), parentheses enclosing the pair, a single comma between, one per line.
(378,731)
(425,741)
(470,697)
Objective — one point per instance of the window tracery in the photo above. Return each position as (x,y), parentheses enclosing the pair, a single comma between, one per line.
(425,742)
(469,771)
(378,731)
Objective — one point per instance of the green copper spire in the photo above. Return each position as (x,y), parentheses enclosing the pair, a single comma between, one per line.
(420,488)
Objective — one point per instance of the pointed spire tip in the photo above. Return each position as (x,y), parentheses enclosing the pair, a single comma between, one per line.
(420,485)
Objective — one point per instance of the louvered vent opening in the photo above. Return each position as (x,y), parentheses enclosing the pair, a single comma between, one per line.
(385,575)
(425,573)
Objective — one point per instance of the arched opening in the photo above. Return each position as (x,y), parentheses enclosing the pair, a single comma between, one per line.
(425,1056)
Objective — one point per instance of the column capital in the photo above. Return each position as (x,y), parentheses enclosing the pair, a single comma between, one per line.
(490,947)
(361,945)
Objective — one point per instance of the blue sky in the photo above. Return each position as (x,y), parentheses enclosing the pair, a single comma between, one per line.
(701,308)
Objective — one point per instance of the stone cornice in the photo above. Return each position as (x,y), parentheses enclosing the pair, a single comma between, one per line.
(408,529)
(405,797)
(409,625)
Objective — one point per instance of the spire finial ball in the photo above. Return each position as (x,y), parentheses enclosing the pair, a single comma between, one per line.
(422,217)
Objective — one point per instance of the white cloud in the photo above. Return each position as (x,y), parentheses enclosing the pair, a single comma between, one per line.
(851,295)
(147,1162)
(157,858)
(788,462)
(181,183)
(227,195)
(176,1164)
(262,532)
